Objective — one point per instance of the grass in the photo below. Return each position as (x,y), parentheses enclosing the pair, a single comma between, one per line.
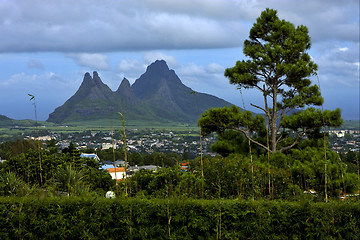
(25,127)
(140,124)
(18,127)
(351,124)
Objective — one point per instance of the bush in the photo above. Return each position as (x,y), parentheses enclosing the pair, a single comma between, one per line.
(100,218)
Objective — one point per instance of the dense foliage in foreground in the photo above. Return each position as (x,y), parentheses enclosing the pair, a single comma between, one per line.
(94,218)
(237,175)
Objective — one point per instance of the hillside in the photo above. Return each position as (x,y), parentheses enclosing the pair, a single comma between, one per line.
(8,122)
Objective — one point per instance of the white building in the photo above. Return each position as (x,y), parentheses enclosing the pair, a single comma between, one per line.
(117,173)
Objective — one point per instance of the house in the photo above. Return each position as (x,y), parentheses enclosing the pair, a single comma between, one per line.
(90,155)
(117,173)
(132,170)
(149,167)
(184,166)
(108,146)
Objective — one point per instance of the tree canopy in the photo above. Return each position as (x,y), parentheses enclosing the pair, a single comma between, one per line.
(279,67)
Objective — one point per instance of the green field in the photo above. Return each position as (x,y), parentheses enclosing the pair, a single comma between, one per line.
(351,124)
(24,127)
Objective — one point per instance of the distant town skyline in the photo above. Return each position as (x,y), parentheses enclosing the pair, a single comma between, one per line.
(47,46)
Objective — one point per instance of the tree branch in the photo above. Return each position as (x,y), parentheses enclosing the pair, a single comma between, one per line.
(249,138)
(299,135)
(259,88)
(291,145)
(266,112)
(278,140)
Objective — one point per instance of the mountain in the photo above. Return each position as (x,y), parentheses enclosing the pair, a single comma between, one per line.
(126,92)
(157,95)
(93,100)
(170,98)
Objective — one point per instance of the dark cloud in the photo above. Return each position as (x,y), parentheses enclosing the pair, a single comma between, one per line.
(104,26)
(97,26)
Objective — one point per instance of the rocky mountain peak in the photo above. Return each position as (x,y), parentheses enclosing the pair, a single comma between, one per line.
(156,76)
(126,93)
(158,94)
(158,66)
(125,84)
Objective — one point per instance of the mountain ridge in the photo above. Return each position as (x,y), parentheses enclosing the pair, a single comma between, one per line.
(158,95)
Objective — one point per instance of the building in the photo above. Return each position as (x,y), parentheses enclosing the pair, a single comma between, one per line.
(90,155)
(117,173)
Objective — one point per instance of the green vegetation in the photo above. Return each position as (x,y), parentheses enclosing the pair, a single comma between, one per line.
(89,218)
(64,171)
(279,67)
(13,129)
(351,125)
(228,177)
(269,179)
(170,203)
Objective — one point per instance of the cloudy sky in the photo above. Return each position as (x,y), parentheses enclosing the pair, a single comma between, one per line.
(46,46)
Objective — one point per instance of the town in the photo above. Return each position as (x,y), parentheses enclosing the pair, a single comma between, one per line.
(170,141)
(183,142)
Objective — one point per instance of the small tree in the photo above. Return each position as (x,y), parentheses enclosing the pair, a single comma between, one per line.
(32,98)
(279,67)
(71,180)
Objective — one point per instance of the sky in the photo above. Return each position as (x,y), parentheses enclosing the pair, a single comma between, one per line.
(46,47)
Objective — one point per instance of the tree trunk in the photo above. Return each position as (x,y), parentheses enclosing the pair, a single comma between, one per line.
(273,121)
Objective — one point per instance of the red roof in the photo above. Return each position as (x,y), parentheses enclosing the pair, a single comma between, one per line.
(119,169)
(184,164)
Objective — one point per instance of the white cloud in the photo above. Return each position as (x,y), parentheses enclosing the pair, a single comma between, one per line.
(215,68)
(150,57)
(50,89)
(126,65)
(33,63)
(192,69)
(48,81)
(93,61)
(338,65)
(207,79)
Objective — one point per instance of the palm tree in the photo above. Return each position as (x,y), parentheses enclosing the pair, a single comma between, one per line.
(70,180)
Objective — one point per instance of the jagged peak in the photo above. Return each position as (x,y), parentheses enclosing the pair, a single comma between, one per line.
(158,65)
(96,77)
(125,84)
(87,80)
(157,94)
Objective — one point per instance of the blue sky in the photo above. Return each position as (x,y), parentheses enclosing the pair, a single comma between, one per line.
(47,46)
